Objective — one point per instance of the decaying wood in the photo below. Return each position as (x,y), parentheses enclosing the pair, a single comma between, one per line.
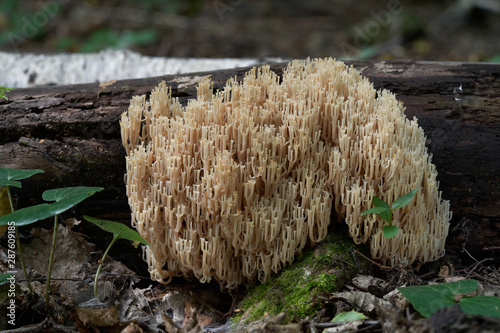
(72,132)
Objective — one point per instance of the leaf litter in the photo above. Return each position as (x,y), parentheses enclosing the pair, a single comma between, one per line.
(123,305)
(126,307)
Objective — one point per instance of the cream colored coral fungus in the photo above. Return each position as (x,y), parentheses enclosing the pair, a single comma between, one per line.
(233,185)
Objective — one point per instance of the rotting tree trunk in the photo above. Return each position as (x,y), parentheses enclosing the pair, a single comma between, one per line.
(72,132)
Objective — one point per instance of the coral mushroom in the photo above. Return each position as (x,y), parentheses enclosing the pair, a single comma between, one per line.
(233,185)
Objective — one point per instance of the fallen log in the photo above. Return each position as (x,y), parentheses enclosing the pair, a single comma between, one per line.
(72,132)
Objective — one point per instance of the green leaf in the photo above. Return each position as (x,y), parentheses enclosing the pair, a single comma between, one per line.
(119,230)
(387,216)
(381,207)
(348,316)
(9,176)
(75,193)
(390,231)
(404,200)
(380,203)
(4,278)
(481,305)
(14,183)
(3,90)
(428,299)
(64,198)
(375,210)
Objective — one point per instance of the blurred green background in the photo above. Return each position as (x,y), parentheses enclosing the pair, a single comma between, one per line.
(458,30)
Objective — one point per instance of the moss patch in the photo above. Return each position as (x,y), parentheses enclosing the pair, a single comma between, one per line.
(295,289)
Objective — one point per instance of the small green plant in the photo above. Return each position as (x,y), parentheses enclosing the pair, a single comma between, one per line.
(63,199)
(428,299)
(11,177)
(119,231)
(385,211)
(3,90)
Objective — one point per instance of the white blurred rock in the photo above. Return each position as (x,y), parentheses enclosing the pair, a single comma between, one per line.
(19,70)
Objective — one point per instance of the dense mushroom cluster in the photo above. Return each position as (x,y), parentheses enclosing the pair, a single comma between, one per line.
(237,182)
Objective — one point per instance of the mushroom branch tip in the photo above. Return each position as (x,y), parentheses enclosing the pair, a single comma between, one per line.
(234,184)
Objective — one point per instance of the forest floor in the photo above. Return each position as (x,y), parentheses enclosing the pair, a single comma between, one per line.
(129,301)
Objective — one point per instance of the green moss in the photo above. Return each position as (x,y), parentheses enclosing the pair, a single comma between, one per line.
(295,289)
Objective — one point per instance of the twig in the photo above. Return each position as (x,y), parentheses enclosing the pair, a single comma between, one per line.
(340,323)
(485,279)
(427,274)
(373,262)
(466,269)
(491,248)
(470,255)
(231,310)
(408,316)
(369,327)
(477,264)
(326,325)
(53,279)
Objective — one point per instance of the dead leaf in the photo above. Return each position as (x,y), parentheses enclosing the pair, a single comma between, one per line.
(191,324)
(370,284)
(444,271)
(98,318)
(169,324)
(4,260)
(277,324)
(397,299)
(453,278)
(364,301)
(105,84)
(351,326)
(72,251)
(71,222)
(132,328)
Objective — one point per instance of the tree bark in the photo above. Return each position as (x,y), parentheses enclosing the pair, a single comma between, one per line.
(73,133)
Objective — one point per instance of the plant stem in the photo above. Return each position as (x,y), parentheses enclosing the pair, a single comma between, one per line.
(100,265)
(51,260)
(18,242)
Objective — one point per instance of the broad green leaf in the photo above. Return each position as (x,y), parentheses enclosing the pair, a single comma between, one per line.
(428,299)
(14,183)
(119,230)
(390,231)
(481,305)
(9,176)
(404,200)
(64,198)
(380,203)
(4,278)
(375,210)
(59,194)
(27,215)
(348,316)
